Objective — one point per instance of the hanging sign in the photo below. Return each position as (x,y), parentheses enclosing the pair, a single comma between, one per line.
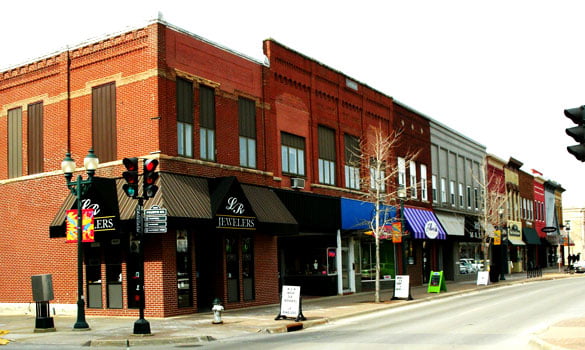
(483,277)
(402,287)
(497,237)
(87,224)
(437,282)
(290,304)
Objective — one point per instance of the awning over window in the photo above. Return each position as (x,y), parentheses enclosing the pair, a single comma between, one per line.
(530,236)
(423,224)
(358,215)
(453,224)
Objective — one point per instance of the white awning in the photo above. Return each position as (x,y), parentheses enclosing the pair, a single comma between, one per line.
(453,224)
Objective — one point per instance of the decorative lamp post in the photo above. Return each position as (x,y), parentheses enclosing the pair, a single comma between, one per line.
(79,188)
(503,246)
(402,198)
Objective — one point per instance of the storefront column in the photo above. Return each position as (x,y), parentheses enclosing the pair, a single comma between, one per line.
(351,263)
(338,263)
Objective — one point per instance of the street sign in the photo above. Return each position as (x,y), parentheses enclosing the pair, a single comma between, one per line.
(155,220)
(548,229)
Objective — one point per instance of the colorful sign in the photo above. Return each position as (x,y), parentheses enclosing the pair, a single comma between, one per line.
(437,282)
(87,224)
(497,237)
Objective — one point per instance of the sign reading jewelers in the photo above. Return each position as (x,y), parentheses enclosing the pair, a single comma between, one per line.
(234,216)
(431,229)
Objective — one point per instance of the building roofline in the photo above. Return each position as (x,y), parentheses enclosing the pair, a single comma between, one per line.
(127,29)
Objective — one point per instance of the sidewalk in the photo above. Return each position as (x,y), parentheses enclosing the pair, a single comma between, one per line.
(196,328)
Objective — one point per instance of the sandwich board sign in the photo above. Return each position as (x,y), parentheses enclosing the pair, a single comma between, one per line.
(437,282)
(402,287)
(290,304)
(483,277)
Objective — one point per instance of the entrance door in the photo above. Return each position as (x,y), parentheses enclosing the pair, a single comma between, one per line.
(208,263)
(345,269)
(426,258)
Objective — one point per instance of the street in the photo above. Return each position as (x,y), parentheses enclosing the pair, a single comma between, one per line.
(500,318)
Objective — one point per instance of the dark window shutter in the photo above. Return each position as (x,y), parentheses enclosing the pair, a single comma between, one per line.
(247,117)
(104,121)
(184,101)
(207,98)
(35,138)
(326,143)
(15,142)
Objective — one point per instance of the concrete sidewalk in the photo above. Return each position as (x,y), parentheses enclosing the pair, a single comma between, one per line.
(196,328)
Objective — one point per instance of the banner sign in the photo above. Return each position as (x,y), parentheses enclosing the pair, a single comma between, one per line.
(87,223)
(437,282)
(290,304)
(497,237)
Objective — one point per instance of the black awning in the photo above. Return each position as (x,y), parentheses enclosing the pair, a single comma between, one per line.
(314,213)
(272,215)
(530,236)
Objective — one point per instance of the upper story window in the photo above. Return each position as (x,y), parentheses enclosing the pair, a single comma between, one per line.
(326,156)
(460,194)
(476,197)
(184,118)
(377,175)
(15,142)
(247,124)
(35,138)
(207,123)
(293,154)
(413,181)
(452,192)
(443,190)
(352,162)
(401,172)
(423,183)
(468,197)
(103,111)
(434,186)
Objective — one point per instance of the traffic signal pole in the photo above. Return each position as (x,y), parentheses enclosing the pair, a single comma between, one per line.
(577,115)
(149,189)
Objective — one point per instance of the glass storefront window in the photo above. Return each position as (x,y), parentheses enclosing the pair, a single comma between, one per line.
(368,259)
(184,285)
(331,261)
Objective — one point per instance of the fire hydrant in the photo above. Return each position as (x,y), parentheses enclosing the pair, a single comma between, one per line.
(217,310)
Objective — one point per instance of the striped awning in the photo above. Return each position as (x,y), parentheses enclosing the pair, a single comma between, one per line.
(423,224)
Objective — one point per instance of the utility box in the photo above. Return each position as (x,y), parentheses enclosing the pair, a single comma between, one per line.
(42,292)
(42,287)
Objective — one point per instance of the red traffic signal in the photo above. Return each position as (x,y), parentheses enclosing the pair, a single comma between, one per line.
(131,176)
(150,177)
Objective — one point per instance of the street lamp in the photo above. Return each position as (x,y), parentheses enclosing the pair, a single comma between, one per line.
(503,247)
(79,188)
(402,198)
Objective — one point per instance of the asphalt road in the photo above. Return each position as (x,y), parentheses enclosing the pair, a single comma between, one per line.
(499,318)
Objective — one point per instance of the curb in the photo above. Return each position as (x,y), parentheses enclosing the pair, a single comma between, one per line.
(148,340)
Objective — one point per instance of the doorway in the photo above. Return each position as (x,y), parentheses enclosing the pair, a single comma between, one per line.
(209,267)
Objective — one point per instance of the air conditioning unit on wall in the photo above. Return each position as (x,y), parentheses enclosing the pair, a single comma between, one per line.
(296,182)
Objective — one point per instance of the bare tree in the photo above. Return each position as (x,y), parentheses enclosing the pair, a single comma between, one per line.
(493,205)
(377,157)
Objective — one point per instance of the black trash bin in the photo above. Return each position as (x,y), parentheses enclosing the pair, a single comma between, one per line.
(494,274)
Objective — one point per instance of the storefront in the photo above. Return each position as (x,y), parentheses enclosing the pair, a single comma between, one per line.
(220,242)
(356,225)
(316,258)
(532,247)
(516,246)
(426,237)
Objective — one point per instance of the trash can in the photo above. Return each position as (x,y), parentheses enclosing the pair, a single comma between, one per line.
(494,273)
(42,292)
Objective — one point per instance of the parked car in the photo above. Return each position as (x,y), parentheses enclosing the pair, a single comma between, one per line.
(465,267)
(579,266)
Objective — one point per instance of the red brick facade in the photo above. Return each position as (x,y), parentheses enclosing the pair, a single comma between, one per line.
(295,94)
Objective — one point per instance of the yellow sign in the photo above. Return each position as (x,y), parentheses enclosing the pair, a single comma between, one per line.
(497,237)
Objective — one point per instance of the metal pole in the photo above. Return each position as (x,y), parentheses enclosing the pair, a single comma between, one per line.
(404,245)
(141,326)
(80,324)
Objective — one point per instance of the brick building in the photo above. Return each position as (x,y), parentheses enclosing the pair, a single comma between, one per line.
(272,140)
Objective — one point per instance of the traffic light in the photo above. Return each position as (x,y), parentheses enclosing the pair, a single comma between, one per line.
(150,176)
(131,177)
(577,115)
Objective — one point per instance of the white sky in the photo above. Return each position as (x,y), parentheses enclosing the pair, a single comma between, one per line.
(499,72)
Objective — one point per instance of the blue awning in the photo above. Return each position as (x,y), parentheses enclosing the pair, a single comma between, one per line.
(357,215)
(423,224)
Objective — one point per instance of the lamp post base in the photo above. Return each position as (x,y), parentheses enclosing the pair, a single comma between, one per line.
(141,326)
(80,324)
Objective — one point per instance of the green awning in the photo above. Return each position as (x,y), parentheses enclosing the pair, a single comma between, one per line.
(530,236)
